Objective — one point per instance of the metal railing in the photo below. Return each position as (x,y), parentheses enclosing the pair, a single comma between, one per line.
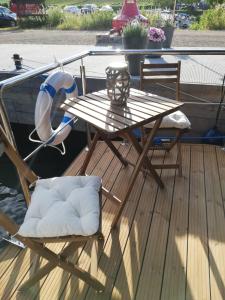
(5,84)
(174,51)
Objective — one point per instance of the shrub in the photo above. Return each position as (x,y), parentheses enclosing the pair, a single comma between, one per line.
(135,30)
(5,4)
(55,17)
(212,19)
(32,22)
(155,19)
(95,21)
(70,22)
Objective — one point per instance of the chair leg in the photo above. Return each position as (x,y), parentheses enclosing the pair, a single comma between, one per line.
(61,261)
(36,261)
(94,258)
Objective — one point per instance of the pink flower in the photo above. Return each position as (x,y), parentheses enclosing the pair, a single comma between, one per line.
(156,34)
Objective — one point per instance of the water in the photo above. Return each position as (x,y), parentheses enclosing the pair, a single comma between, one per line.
(47,163)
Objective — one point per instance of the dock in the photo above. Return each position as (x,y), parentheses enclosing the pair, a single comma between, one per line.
(169,243)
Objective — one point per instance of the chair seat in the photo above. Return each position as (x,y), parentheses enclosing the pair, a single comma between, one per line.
(175,120)
(63,206)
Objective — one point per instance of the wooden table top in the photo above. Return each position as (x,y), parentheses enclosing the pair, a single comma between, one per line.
(141,108)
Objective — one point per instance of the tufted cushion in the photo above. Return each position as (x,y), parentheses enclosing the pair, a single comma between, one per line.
(175,120)
(63,206)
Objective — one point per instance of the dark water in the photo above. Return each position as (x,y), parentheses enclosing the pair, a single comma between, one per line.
(46,163)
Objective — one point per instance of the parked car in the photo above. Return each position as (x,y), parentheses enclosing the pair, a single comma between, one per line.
(73,9)
(106,8)
(182,20)
(7,18)
(89,8)
(5,10)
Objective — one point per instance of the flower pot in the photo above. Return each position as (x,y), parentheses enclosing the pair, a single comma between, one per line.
(169,30)
(134,60)
(154,45)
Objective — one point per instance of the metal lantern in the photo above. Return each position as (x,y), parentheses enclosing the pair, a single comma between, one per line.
(118,83)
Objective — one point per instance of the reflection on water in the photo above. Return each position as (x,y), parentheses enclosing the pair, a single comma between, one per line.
(13,204)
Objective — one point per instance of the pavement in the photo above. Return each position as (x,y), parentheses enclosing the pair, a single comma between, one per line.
(35,47)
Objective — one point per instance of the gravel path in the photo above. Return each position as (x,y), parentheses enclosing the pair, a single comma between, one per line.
(186,38)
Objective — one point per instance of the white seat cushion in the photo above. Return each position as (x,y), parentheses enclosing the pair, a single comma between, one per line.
(63,206)
(175,120)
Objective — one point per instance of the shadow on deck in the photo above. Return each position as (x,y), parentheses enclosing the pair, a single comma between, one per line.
(169,244)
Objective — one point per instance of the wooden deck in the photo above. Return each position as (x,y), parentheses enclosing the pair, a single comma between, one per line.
(170,244)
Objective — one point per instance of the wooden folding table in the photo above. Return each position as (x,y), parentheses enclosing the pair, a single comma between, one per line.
(112,121)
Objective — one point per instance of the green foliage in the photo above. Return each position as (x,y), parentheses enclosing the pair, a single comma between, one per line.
(5,4)
(212,19)
(55,17)
(32,22)
(155,20)
(95,21)
(214,2)
(135,30)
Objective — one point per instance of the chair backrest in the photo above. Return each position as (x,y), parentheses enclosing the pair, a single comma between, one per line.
(161,73)
(27,176)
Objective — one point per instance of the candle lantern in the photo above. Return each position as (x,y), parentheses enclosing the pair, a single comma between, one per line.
(118,83)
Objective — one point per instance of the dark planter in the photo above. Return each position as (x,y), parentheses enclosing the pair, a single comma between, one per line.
(169,30)
(134,60)
(154,45)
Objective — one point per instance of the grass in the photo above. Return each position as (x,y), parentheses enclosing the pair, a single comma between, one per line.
(212,19)
(9,28)
(94,21)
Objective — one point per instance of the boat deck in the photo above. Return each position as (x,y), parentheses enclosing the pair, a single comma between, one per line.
(170,243)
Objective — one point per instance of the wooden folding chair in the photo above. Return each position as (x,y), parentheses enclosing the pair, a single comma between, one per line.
(37,243)
(177,122)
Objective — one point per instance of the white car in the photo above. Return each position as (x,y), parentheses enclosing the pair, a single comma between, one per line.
(89,8)
(106,8)
(72,9)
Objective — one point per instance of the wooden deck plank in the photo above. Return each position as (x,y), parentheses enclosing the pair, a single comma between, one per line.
(32,293)
(174,281)
(152,270)
(197,261)
(7,257)
(220,154)
(216,224)
(174,254)
(61,280)
(127,279)
(78,288)
(117,239)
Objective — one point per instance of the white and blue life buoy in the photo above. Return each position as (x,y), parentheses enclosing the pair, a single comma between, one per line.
(48,90)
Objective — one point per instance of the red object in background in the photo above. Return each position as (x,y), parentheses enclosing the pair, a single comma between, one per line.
(22,9)
(128,13)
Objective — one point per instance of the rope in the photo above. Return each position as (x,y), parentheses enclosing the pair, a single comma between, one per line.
(184,93)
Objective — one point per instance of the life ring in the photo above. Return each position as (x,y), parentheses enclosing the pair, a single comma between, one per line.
(48,90)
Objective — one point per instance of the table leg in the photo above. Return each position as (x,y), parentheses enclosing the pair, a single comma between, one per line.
(113,148)
(144,151)
(89,154)
(142,158)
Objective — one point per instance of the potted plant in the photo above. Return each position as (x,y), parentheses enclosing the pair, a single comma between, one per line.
(156,37)
(134,37)
(168,28)
(155,19)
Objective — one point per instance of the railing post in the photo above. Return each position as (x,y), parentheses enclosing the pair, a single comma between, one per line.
(84,86)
